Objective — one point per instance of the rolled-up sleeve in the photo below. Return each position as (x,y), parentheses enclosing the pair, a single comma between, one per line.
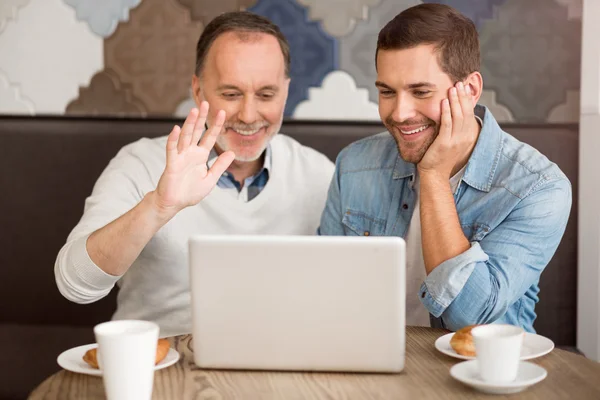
(446,281)
(119,188)
(479,285)
(78,278)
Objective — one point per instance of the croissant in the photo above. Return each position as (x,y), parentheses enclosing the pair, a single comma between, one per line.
(162,348)
(462,341)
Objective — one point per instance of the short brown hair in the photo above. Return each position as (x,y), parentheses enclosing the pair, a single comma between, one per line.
(243,22)
(454,36)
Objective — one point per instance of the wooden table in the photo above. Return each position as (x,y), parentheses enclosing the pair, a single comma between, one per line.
(426,375)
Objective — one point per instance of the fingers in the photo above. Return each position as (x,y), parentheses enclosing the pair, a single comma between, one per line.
(185,137)
(220,166)
(466,103)
(210,137)
(446,121)
(200,122)
(172,143)
(456,110)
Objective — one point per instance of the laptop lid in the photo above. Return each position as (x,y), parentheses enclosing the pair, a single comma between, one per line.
(320,303)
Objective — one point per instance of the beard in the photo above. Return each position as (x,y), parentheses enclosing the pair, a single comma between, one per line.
(247,150)
(411,152)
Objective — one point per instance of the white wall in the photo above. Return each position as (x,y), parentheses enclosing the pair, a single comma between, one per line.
(588,308)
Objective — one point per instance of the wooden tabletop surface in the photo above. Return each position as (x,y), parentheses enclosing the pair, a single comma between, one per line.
(426,375)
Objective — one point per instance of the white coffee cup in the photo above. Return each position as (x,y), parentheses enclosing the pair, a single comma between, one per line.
(126,356)
(498,351)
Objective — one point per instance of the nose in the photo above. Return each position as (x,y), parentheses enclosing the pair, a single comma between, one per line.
(404,108)
(248,111)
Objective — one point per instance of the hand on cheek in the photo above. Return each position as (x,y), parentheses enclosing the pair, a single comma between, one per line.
(457,134)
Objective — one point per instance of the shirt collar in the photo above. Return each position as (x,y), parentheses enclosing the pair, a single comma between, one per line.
(482,164)
(212,158)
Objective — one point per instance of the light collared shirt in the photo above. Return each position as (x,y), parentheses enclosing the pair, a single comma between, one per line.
(513,205)
(252,185)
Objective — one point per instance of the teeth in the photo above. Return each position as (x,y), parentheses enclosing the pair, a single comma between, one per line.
(421,129)
(247,133)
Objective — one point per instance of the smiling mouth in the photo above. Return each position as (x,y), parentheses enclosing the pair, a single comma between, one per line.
(246,132)
(417,130)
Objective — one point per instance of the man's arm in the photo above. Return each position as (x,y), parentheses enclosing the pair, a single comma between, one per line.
(88,266)
(331,219)
(476,283)
(479,285)
(441,235)
(77,270)
(115,247)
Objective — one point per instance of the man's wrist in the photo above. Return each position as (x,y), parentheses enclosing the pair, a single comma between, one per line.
(160,213)
(433,175)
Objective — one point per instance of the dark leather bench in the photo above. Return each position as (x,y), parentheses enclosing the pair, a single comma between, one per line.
(48,166)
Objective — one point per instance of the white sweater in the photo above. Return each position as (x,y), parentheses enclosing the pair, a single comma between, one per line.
(156,286)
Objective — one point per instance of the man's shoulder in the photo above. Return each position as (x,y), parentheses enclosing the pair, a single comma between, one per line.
(145,144)
(371,153)
(298,152)
(145,149)
(525,168)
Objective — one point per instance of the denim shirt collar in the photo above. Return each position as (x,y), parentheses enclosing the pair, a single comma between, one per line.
(481,167)
(483,162)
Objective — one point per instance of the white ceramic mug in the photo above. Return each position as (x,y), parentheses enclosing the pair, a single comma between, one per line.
(126,356)
(498,350)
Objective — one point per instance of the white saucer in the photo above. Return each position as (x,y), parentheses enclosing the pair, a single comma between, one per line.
(72,360)
(529,374)
(533,346)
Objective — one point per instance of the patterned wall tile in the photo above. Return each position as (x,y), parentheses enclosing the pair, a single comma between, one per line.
(102,16)
(313,51)
(9,10)
(106,95)
(575,7)
(568,111)
(155,53)
(205,10)
(12,100)
(477,10)
(501,113)
(531,57)
(49,54)
(338,16)
(357,50)
(337,98)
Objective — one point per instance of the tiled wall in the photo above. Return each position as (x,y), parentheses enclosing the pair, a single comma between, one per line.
(136,57)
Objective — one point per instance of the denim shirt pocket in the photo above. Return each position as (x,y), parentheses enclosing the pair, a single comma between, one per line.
(475,232)
(361,224)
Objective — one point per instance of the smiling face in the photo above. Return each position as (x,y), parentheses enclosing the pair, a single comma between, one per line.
(244,74)
(411,88)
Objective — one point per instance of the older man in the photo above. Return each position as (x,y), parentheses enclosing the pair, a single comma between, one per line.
(148,201)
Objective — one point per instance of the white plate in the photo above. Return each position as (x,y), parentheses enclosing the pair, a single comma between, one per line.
(72,360)
(533,346)
(528,374)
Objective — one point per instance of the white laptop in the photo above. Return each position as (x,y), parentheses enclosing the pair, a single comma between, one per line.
(302,303)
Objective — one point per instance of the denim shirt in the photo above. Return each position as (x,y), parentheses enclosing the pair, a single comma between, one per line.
(513,205)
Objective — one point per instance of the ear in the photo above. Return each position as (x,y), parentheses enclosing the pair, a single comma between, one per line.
(475,83)
(197,90)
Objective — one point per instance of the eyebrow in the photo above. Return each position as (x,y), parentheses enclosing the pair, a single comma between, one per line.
(233,87)
(409,86)
(421,85)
